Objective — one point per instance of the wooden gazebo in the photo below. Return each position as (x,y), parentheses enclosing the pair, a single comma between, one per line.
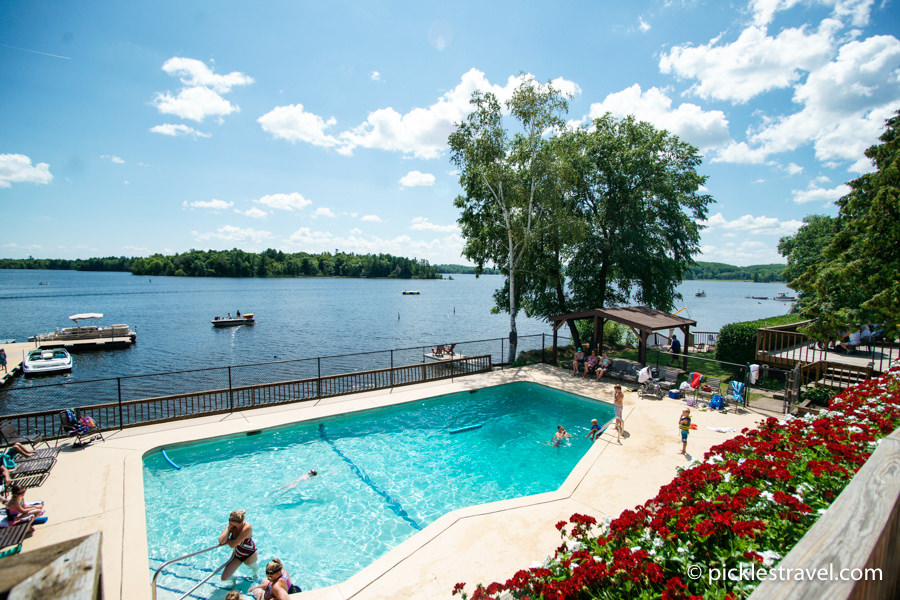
(643,321)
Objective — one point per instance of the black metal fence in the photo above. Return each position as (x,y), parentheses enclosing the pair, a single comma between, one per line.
(136,399)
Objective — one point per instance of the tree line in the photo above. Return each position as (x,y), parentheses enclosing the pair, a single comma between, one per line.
(238,263)
(722,271)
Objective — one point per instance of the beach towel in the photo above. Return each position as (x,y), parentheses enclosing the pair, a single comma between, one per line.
(695,379)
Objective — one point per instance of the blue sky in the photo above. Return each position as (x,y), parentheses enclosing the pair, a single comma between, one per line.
(128,128)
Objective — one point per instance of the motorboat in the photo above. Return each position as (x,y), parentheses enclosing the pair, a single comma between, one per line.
(700,293)
(783,296)
(760,297)
(411,292)
(44,361)
(246,319)
(92,331)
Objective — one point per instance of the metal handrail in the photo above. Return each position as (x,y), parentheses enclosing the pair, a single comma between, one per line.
(181,558)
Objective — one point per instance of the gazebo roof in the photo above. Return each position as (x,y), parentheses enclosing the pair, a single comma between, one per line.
(642,318)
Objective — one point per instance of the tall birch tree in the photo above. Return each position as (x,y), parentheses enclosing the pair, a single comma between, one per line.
(503,173)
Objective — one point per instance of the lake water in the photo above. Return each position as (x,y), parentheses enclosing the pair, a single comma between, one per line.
(296,318)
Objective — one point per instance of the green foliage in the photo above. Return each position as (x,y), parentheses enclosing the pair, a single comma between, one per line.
(804,249)
(237,263)
(855,280)
(818,395)
(737,343)
(722,271)
(466,270)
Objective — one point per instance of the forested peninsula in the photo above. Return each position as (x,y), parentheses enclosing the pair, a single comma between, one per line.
(714,270)
(237,263)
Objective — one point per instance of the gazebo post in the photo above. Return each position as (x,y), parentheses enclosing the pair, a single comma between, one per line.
(594,336)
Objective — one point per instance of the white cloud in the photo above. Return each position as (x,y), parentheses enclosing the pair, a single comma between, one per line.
(845,105)
(371,218)
(814,193)
(323,212)
(752,225)
(421,132)
(196,74)
(754,63)
(17,168)
(423,224)
(292,201)
(253,213)
(176,130)
(857,11)
(201,95)
(415,178)
(356,231)
(705,129)
(195,103)
(117,160)
(294,124)
(643,25)
(230,233)
(793,169)
(375,76)
(213,204)
(741,153)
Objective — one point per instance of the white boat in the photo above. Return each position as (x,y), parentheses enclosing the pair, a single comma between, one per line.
(700,293)
(784,297)
(47,362)
(122,333)
(246,319)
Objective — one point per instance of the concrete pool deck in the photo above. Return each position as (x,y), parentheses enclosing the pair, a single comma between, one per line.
(101,488)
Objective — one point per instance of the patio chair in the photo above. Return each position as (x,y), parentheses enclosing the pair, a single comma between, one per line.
(11,435)
(47,452)
(449,349)
(437,350)
(28,480)
(735,393)
(74,425)
(28,468)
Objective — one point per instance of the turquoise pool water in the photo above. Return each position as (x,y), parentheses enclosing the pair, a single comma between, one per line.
(384,475)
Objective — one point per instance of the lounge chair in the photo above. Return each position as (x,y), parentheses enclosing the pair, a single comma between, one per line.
(47,452)
(72,425)
(449,349)
(11,435)
(28,480)
(437,351)
(27,468)
(11,536)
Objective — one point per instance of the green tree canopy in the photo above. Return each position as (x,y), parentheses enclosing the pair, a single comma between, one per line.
(856,280)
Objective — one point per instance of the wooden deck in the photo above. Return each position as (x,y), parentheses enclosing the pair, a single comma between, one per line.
(15,355)
(803,353)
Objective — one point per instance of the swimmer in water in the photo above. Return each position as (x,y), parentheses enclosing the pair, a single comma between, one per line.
(305,477)
(560,436)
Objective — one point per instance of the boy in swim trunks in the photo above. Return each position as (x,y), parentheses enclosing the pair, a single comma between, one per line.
(684,424)
(594,433)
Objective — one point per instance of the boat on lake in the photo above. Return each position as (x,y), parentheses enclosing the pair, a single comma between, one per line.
(411,292)
(44,361)
(230,321)
(120,334)
(760,297)
(700,293)
(783,296)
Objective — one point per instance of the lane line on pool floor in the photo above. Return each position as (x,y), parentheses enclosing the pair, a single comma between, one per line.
(395,506)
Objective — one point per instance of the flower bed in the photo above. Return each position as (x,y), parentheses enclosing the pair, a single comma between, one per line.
(720,521)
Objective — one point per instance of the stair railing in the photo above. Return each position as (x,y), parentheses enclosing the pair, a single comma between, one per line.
(181,558)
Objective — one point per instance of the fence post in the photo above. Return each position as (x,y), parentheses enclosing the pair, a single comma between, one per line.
(319,377)
(230,392)
(501,351)
(392,367)
(543,345)
(119,394)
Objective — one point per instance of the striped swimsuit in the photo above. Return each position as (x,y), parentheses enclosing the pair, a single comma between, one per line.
(244,550)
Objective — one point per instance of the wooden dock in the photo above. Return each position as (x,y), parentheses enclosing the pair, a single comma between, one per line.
(16,351)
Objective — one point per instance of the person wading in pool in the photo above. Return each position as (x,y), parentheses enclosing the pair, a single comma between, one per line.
(296,482)
(238,535)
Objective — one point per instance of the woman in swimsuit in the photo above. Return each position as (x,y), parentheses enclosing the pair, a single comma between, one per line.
(17,511)
(560,436)
(277,585)
(238,535)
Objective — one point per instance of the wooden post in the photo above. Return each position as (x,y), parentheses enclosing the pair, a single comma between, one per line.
(68,570)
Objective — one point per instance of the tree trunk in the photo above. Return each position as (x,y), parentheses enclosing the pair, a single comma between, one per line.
(513,305)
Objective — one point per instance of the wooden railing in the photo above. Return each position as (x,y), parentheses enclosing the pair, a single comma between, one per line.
(851,551)
(118,415)
(783,348)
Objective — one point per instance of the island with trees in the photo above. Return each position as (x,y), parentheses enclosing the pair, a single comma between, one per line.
(238,263)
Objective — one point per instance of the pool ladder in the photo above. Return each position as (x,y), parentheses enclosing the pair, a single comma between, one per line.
(181,558)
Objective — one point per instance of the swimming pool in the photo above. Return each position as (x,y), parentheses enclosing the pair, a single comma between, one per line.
(384,475)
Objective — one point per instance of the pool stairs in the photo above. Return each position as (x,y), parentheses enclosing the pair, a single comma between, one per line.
(187,580)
